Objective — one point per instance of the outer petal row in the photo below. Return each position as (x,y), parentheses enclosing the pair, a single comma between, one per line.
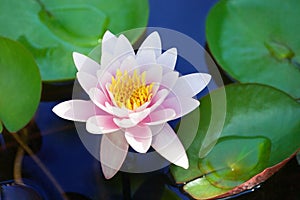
(77,110)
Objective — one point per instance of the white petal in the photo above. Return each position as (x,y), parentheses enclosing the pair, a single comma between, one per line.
(191,84)
(76,110)
(108,36)
(104,77)
(181,105)
(129,63)
(168,59)
(169,80)
(146,58)
(139,116)
(125,122)
(116,111)
(87,81)
(113,151)
(158,98)
(154,74)
(139,138)
(108,46)
(167,144)
(106,59)
(144,106)
(101,124)
(123,49)
(85,64)
(153,43)
(160,116)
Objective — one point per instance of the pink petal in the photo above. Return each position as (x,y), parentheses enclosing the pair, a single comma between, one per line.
(85,64)
(153,43)
(113,151)
(168,59)
(125,122)
(99,98)
(87,81)
(139,116)
(76,110)
(101,124)
(159,117)
(181,105)
(167,144)
(139,138)
(191,84)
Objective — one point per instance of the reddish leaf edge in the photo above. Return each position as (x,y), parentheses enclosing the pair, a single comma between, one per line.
(257,179)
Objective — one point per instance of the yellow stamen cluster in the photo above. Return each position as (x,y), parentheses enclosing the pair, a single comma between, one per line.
(130,91)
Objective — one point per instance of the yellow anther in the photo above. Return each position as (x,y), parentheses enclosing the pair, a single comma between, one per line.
(130,91)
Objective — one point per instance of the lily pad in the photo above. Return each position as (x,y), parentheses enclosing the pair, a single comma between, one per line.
(267,115)
(20,85)
(53,29)
(253,41)
(235,160)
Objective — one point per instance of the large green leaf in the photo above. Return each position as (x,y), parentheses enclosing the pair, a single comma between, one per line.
(53,29)
(235,160)
(257,41)
(20,85)
(267,115)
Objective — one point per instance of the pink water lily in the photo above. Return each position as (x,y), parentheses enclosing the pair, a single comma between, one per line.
(132,97)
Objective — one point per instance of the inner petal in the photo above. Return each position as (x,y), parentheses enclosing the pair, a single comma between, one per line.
(130,90)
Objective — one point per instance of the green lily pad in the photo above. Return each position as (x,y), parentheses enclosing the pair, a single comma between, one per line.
(269,116)
(53,29)
(1,128)
(201,188)
(20,85)
(253,41)
(235,160)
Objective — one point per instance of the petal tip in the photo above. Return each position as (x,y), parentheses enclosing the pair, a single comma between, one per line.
(107,35)
(206,77)
(108,172)
(183,162)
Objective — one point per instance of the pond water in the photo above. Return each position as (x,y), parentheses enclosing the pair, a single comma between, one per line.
(63,165)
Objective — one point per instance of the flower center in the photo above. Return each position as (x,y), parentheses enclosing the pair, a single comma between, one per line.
(130,91)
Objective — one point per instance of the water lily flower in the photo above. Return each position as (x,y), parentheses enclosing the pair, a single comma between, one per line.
(132,97)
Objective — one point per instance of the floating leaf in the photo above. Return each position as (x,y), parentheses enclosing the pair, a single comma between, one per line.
(263,51)
(20,85)
(201,188)
(53,29)
(253,111)
(235,160)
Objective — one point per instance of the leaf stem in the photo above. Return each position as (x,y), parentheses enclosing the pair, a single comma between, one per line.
(40,164)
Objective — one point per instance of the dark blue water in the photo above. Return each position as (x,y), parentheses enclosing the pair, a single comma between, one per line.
(75,172)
